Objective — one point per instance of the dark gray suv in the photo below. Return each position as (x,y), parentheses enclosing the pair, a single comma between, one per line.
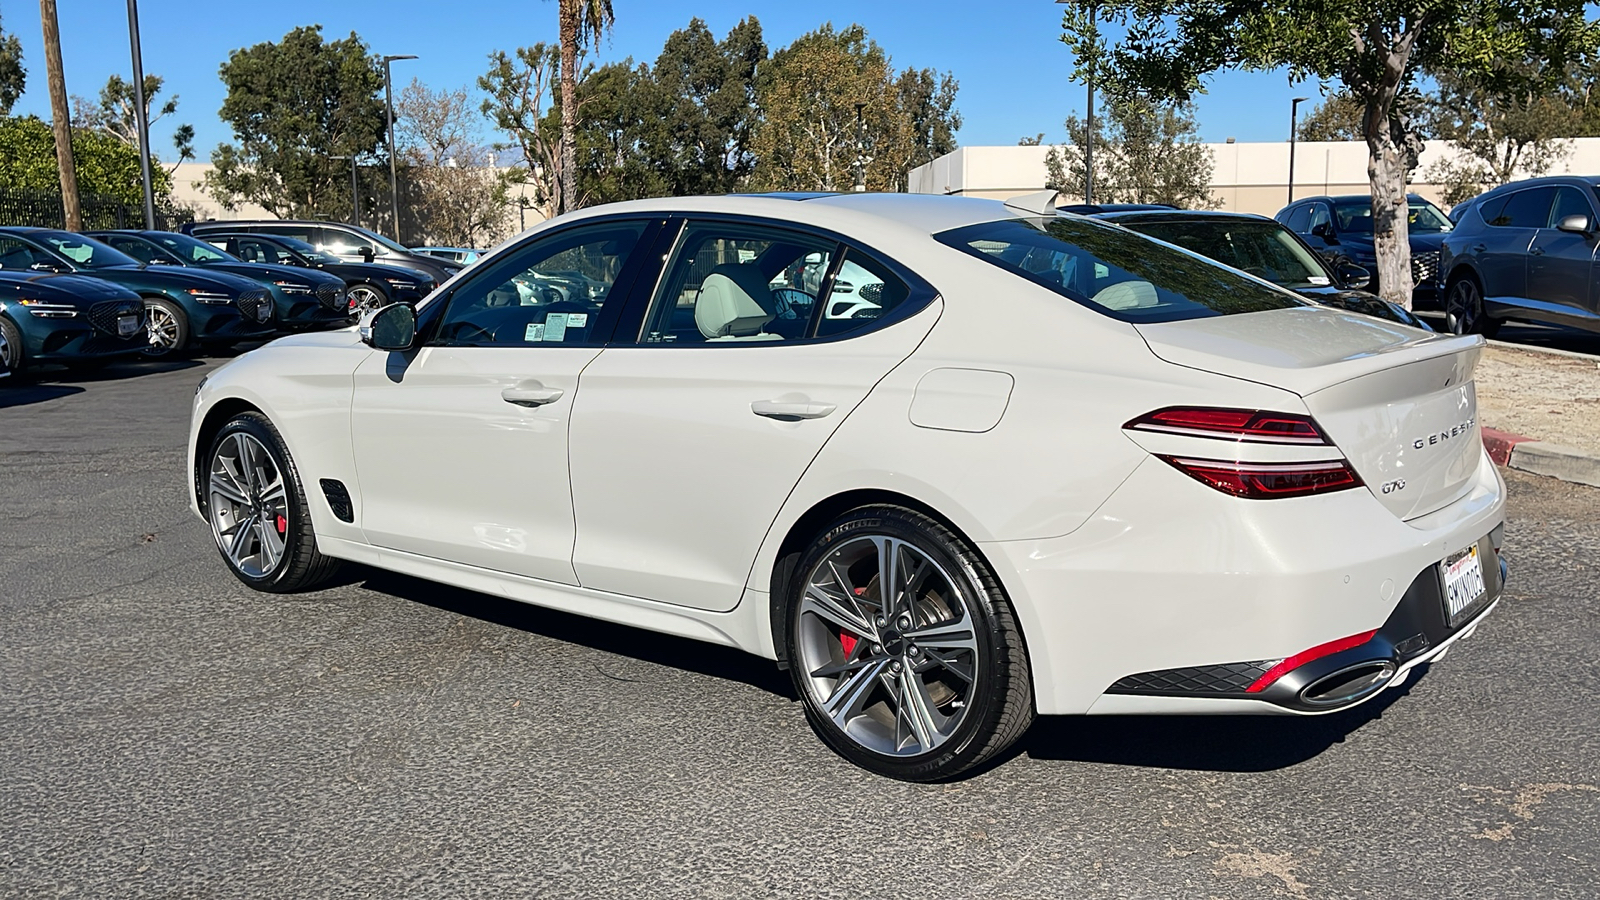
(349,243)
(1525,250)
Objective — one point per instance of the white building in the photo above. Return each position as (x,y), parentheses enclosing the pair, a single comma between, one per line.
(1245,177)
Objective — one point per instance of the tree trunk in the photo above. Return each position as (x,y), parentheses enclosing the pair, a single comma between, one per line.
(60,118)
(566,177)
(1389,160)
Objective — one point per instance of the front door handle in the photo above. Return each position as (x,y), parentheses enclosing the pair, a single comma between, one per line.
(1479,248)
(791,409)
(531,394)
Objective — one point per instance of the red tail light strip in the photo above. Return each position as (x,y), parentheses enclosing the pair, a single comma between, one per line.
(1288,665)
(1252,425)
(1265,481)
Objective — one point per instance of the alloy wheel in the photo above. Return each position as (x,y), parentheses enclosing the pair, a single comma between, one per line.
(363,298)
(248,502)
(887,643)
(163,327)
(6,351)
(1463,308)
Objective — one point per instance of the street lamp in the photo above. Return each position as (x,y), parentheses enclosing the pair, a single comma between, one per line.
(141,117)
(394,177)
(1294,109)
(355,192)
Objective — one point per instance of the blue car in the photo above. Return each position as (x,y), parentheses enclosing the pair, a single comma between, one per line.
(1340,230)
(48,318)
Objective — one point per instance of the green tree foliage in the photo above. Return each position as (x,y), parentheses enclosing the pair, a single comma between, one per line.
(708,94)
(1336,118)
(107,168)
(293,105)
(13,77)
(114,114)
(1375,49)
(830,102)
(1144,152)
(1501,134)
(457,198)
(520,89)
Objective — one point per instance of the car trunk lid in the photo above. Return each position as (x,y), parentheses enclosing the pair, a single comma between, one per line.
(1398,402)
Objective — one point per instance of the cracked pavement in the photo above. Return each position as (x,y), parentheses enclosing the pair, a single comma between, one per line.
(167,732)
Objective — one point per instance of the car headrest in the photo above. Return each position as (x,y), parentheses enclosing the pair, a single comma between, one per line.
(730,302)
(1127,295)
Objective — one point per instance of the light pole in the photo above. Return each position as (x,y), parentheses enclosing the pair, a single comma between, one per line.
(1088,136)
(1294,109)
(355,191)
(861,149)
(394,176)
(141,117)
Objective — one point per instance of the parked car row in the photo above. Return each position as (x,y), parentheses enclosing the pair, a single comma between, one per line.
(66,297)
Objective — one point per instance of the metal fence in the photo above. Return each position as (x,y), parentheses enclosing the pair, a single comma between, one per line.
(43,209)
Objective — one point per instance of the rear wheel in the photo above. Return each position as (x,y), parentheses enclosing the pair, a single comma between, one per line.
(904,648)
(11,350)
(169,327)
(1464,310)
(258,509)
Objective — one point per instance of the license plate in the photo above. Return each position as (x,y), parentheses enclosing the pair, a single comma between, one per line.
(127,325)
(1464,589)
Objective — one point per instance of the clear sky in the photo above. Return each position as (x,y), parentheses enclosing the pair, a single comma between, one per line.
(1004,53)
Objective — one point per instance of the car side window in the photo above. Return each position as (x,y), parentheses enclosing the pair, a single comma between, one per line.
(736,283)
(863,291)
(1319,217)
(1569,202)
(15,254)
(132,246)
(257,251)
(299,232)
(1526,209)
(548,292)
(1300,220)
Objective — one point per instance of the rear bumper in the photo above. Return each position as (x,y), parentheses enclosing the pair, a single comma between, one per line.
(1170,575)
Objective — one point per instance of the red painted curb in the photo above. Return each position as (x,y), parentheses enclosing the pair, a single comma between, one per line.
(1499,444)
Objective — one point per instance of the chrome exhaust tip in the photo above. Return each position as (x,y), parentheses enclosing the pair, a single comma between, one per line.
(1349,684)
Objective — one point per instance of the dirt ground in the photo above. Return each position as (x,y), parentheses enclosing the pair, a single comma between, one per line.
(1540,395)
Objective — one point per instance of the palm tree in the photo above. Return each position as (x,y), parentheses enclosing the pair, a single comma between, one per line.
(583,22)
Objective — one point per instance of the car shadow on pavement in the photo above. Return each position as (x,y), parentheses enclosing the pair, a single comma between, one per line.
(1211,743)
(25,394)
(700,657)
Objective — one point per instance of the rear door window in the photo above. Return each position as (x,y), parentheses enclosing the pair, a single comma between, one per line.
(1526,209)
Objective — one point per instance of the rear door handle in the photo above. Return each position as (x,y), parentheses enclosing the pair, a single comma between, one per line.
(791,409)
(531,393)
(1479,248)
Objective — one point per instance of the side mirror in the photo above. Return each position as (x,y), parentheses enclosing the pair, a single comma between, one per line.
(1323,230)
(365,253)
(1577,224)
(1352,276)
(394,327)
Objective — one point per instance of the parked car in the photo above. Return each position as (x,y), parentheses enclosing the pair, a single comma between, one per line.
(460,256)
(1266,249)
(1065,468)
(1525,250)
(68,319)
(367,285)
(303,298)
(183,308)
(346,242)
(1340,229)
(1094,209)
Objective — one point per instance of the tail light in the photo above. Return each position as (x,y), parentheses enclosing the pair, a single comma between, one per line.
(1284,666)
(1253,425)
(1264,481)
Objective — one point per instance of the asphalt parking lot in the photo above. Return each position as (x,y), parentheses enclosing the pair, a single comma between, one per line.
(166,732)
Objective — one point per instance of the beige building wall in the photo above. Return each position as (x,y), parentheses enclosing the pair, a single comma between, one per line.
(1245,177)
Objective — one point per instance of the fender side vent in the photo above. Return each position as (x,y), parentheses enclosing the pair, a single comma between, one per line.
(338,499)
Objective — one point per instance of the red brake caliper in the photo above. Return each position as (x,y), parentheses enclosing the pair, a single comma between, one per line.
(848,641)
(283,525)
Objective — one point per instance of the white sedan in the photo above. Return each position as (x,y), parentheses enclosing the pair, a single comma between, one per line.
(1060,468)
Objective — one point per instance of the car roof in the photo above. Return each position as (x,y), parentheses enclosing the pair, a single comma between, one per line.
(1585,180)
(1180,215)
(1351,198)
(923,214)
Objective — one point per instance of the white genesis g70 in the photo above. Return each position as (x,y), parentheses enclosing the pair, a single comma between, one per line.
(1053,467)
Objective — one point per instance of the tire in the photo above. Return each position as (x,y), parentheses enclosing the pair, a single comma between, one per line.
(11,349)
(266,540)
(363,297)
(169,327)
(923,693)
(1464,312)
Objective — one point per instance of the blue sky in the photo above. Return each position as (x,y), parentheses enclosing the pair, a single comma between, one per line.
(1005,54)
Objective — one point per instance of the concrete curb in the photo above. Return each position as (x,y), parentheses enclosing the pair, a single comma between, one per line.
(1551,351)
(1542,458)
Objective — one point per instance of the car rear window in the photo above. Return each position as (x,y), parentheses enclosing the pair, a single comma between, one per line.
(1114,271)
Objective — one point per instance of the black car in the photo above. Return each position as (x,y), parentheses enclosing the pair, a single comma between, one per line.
(1525,250)
(368,285)
(68,319)
(1096,209)
(1267,250)
(1340,228)
(305,299)
(184,307)
(347,242)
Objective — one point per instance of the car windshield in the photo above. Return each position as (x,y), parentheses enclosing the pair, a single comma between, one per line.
(1114,271)
(306,250)
(191,249)
(1264,249)
(85,252)
(1355,217)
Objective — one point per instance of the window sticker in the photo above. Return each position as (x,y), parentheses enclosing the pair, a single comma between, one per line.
(534,333)
(1319,279)
(555,327)
(577,320)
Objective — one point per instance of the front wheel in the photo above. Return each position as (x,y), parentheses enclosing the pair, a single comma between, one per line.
(169,327)
(258,509)
(904,648)
(11,350)
(366,297)
(1464,310)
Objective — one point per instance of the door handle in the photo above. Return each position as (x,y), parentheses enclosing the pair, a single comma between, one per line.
(531,394)
(1479,248)
(791,409)
(1537,251)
